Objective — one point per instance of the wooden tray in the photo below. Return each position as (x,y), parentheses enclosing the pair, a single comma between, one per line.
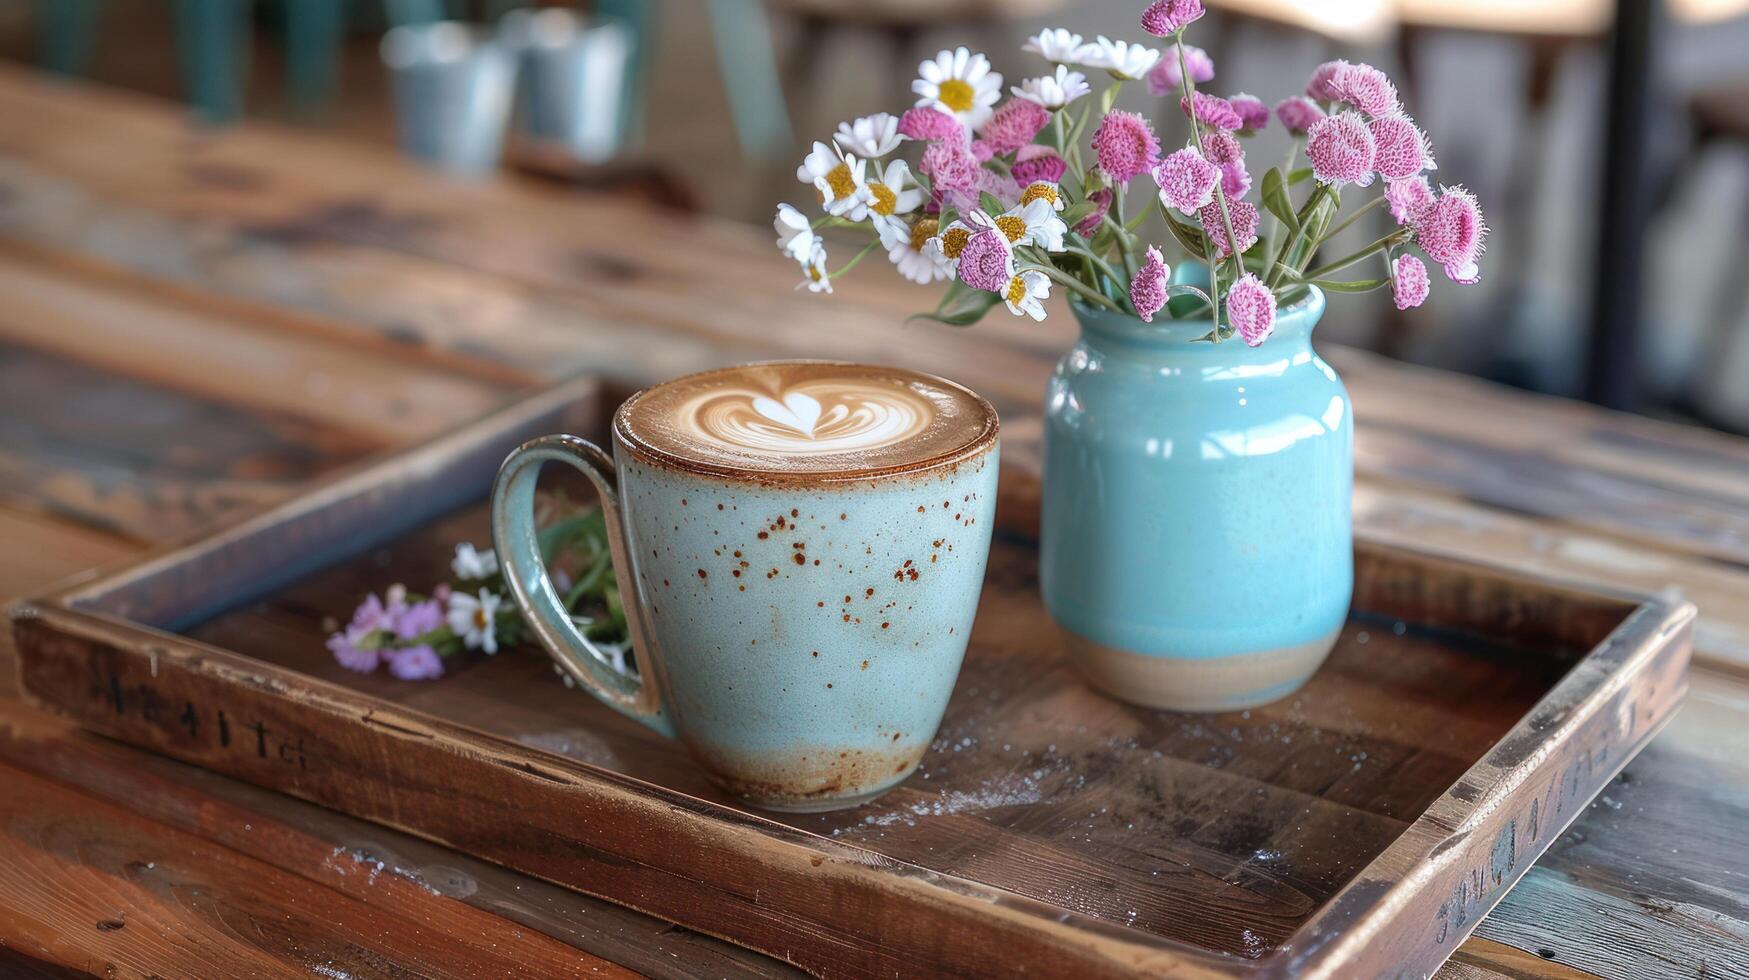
(1362,826)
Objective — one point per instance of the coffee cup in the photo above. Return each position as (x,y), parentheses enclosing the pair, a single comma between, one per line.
(800,546)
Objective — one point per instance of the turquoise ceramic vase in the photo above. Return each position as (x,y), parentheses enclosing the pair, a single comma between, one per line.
(1197,537)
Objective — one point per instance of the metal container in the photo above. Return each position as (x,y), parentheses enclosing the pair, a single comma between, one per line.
(573,79)
(453,85)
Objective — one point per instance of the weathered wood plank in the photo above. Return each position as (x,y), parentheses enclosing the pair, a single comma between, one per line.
(142,461)
(365,862)
(125,329)
(95,888)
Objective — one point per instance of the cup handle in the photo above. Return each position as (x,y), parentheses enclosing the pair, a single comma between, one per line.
(518,544)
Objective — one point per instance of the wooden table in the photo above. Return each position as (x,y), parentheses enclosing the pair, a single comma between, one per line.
(192,325)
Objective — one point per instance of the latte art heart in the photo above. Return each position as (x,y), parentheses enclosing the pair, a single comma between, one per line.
(815,418)
(804,420)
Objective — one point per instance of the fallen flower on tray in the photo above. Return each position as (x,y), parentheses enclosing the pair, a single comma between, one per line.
(415,635)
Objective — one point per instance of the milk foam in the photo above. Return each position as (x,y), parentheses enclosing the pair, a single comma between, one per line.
(807,417)
(812,418)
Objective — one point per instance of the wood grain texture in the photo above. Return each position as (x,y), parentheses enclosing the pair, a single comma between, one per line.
(128,880)
(1370,820)
(362,861)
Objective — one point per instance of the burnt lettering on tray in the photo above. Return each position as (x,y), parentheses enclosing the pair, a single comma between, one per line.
(146,702)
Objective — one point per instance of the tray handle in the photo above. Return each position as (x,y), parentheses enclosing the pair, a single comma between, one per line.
(516,538)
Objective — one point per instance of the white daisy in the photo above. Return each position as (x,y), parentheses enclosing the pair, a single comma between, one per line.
(870,136)
(944,248)
(838,178)
(960,84)
(1026,294)
(471,564)
(795,234)
(1032,223)
(471,619)
(905,248)
(814,267)
(1121,58)
(1054,91)
(1056,45)
(887,196)
(1043,190)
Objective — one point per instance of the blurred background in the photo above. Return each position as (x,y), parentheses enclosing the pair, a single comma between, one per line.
(1607,141)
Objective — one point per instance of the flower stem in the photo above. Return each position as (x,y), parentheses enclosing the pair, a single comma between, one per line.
(1100,264)
(845,269)
(1189,88)
(1073,283)
(1351,219)
(1401,234)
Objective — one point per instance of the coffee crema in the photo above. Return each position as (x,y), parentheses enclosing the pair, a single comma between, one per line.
(806,419)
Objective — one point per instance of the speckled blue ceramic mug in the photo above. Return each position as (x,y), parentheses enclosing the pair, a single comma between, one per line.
(801,546)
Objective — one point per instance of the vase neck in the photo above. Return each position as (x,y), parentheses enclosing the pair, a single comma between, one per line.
(1177,339)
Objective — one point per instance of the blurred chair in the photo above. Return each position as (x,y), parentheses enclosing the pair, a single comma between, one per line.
(1721,117)
(212,48)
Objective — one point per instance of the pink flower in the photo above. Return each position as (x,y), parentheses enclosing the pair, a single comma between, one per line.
(1167,75)
(982,151)
(415,663)
(1322,87)
(925,123)
(999,186)
(418,619)
(1251,309)
(1409,199)
(1014,124)
(954,171)
(1164,18)
(1125,145)
(1298,113)
(1101,201)
(1341,150)
(1402,148)
(1035,163)
(1148,287)
(1212,110)
(1244,219)
(1367,89)
(986,262)
(1408,282)
(1253,113)
(1225,151)
(1451,232)
(349,654)
(1187,181)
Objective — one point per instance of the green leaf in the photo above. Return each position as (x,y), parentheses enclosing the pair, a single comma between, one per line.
(1276,200)
(1185,307)
(1074,214)
(1190,239)
(961,306)
(1299,176)
(1354,286)
(991,206)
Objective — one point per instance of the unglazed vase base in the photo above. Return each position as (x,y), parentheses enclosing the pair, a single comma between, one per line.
(1200,683)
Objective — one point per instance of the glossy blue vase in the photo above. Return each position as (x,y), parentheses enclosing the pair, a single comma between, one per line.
(1197,535)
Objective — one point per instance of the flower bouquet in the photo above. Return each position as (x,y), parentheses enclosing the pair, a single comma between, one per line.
(1009,201)
(413,634)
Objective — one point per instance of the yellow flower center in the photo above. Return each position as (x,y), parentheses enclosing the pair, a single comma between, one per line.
(480,620)
(1016,291)
(1040,191)
(953,242)
(1012,227)
(922,232)
(956,95)
(838,178)
(884,199)
(814,273)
